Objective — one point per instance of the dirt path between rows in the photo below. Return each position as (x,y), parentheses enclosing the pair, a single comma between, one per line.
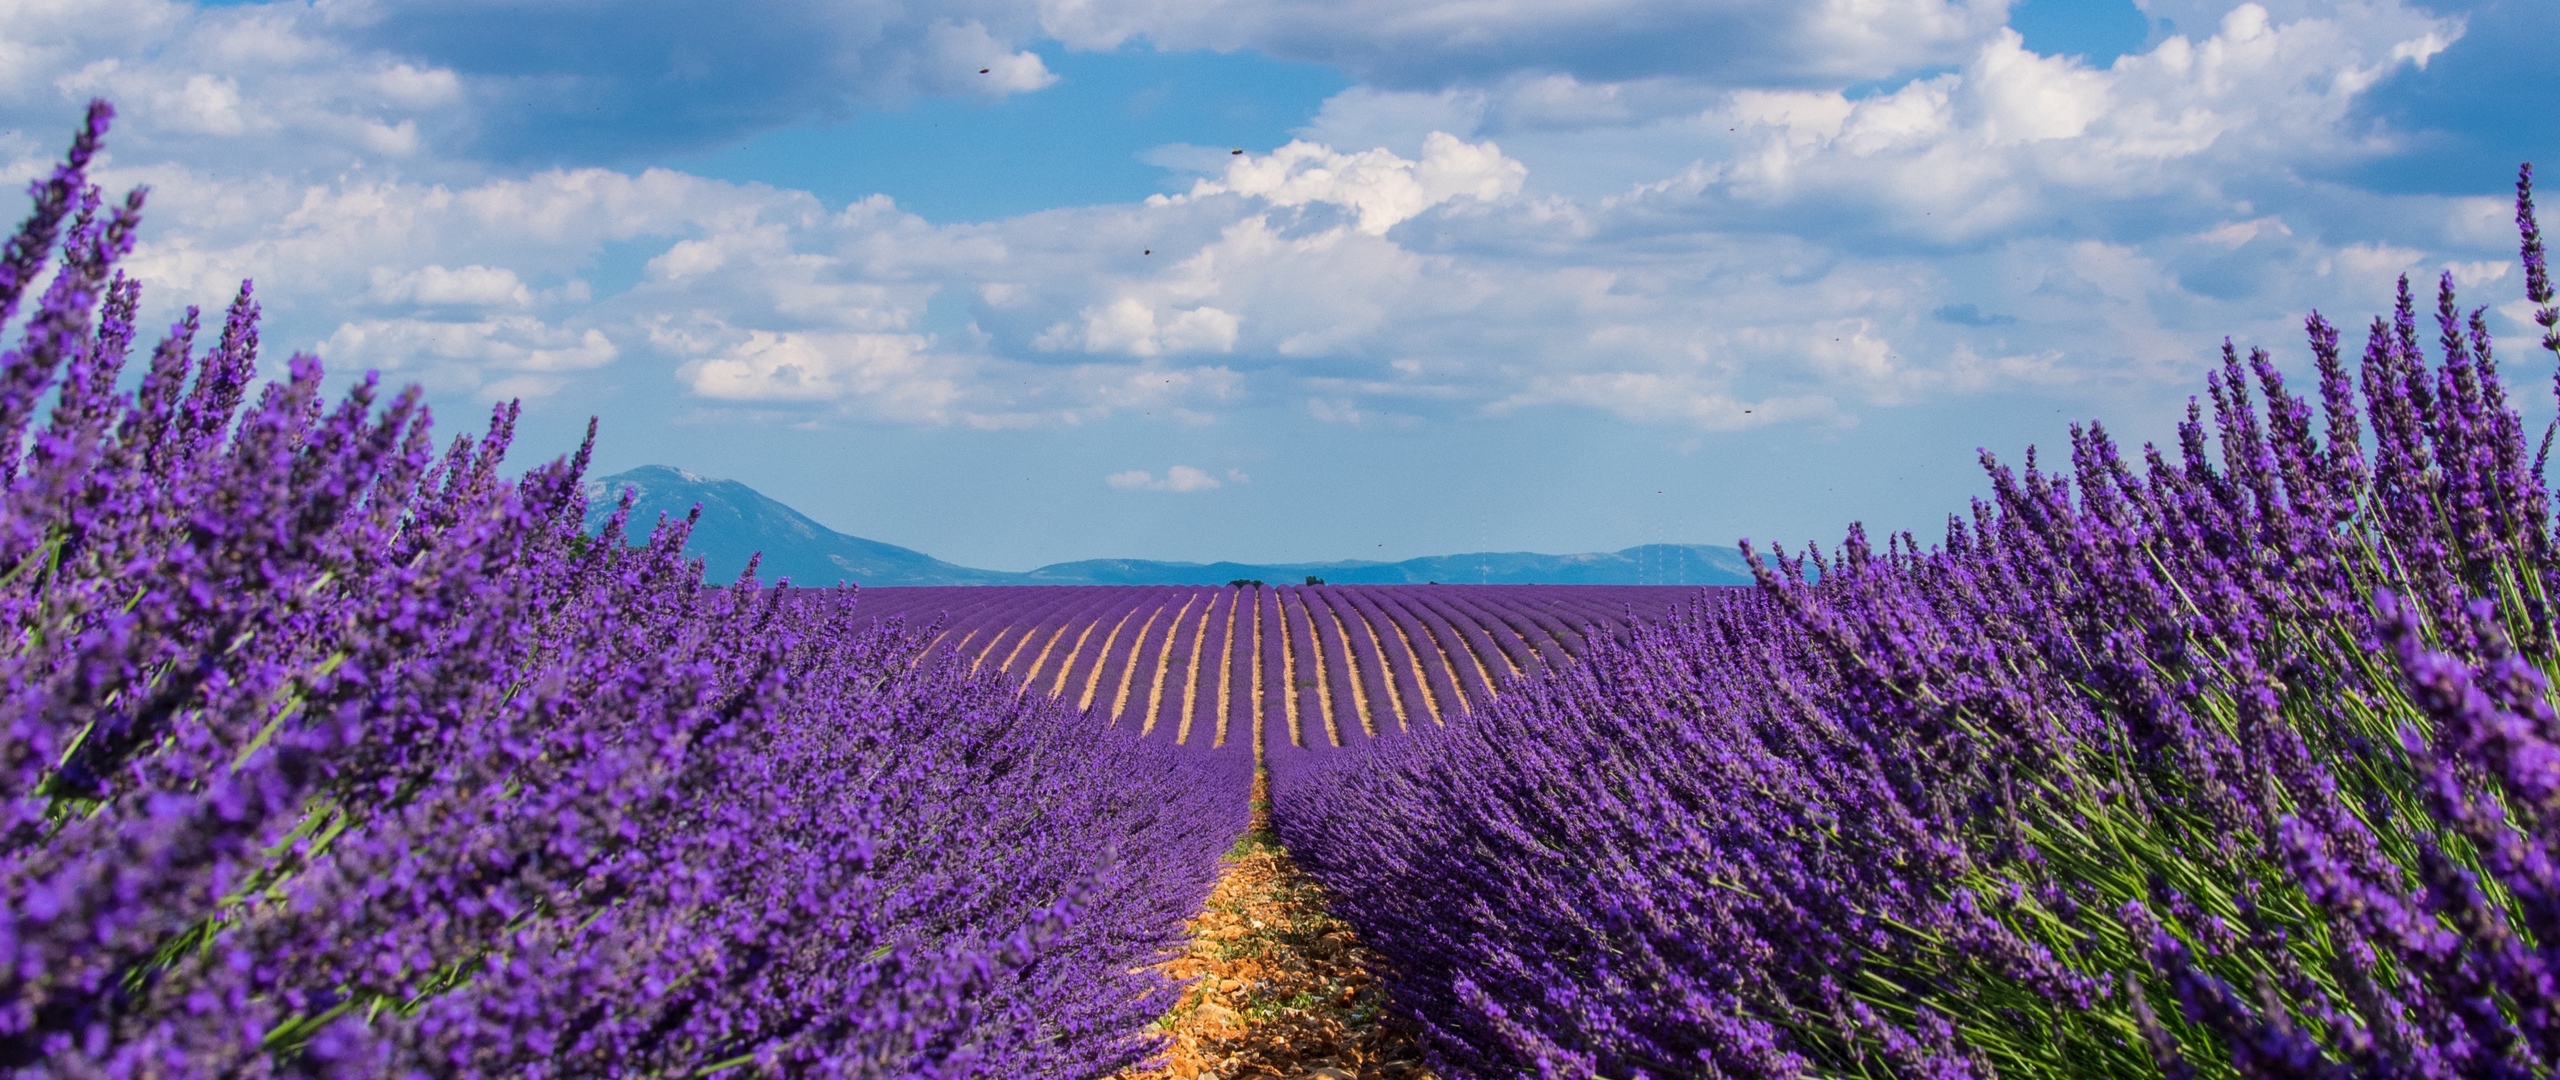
(1284,992)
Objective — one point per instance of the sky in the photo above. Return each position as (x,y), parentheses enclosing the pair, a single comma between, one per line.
(1015,282)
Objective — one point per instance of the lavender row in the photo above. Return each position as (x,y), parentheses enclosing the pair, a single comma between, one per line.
(327,754)
(2230,758)
(1324,666)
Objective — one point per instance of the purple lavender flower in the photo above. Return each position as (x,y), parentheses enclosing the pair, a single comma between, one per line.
(2261,724)
(325,754)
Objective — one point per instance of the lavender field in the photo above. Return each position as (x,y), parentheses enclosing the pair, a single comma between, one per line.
(2238,758)
(336,750)
(332,754)
(1260,665)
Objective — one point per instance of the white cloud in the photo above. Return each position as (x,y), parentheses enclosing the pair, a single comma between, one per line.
(1177,478)
(446,87)
(1720,226)
(436,286)
(1722,252)
(471,354)
(1659,398)
(254,88)
(1396,120)
(1129,325)
(966,59)
(894,372)
(1380,187)
(2029,98)
(1409,42)
(2013,139)
(204,103)
(1349,411)
(2470,276)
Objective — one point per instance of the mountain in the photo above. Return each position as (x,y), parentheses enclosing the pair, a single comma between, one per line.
(1651,564)
(737,521)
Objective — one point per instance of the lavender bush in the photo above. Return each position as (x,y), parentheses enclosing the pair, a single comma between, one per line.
(328,754)
(2236,759)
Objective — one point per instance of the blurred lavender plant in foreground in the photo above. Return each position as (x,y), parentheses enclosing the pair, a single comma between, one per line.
(327,754)
(2238,759)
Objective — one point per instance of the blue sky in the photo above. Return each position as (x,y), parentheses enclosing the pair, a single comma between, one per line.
(991,278)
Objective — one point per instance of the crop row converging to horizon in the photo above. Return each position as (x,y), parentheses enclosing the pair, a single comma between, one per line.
(329,752)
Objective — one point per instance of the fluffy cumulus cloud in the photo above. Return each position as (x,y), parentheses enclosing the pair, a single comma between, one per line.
(579,83)
(1378,187)
(2016,139)
(500,357)
(1408,43)
(1177,478)
(824,367)
(452,88)
(1715,216)
(235,90)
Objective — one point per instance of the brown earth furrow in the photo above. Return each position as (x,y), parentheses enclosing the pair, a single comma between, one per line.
(1164,665)
(1093,682)
(1430,700)
(1258,676)
(1226,674)
(1067,663)
(1288,672)
(978,661)
(1280,989)
(961,647)
(1191,670)
(1324,688)
(1401,709)
(1129,671)
(1029,674)
(1351,664)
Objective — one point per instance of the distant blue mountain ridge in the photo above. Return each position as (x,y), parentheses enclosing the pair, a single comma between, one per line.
(738,521)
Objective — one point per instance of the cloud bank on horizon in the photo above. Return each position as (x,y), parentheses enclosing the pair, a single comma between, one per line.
(1709,220)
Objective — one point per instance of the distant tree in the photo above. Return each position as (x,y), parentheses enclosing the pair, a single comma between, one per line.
(1245,581)
(1314,580)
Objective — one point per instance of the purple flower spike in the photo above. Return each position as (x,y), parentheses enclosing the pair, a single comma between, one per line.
(2261,723)
(324,755)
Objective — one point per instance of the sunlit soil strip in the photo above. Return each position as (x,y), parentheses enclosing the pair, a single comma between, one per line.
(1164,665)
(1093,681)
(1289,663)
(1397,708)
(1190,687)
(1254,687)
(1386,710)
(1282,990)
(1324,686)
(997,642)
(1360,704)
(1456,649)
(1482,669)
(1129,670)
(938,639)
(1317,661)
(1226,673)
(1066,664)
(1421,679)
(1038,659)
(1040,671)
(1537,659)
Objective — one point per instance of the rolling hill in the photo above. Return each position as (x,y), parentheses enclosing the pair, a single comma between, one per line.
(737,521)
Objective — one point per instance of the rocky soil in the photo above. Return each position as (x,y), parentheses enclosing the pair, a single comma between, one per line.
(1283,991)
